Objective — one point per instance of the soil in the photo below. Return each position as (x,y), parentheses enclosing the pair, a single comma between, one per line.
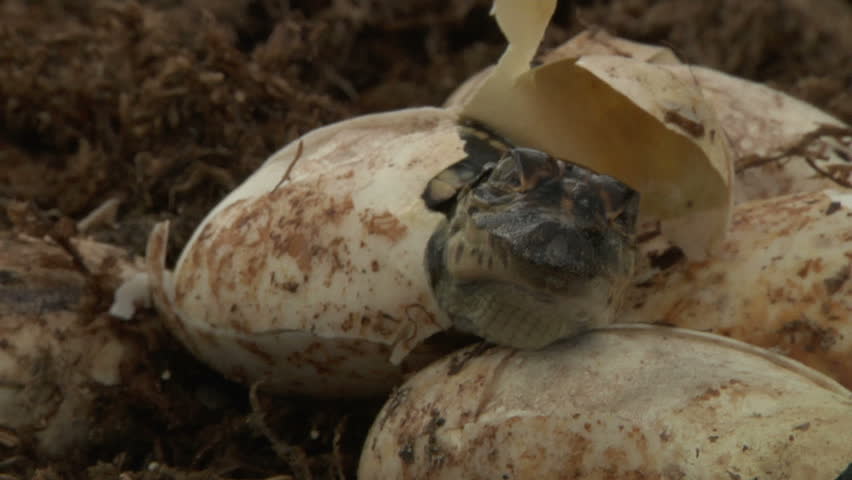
(166,105)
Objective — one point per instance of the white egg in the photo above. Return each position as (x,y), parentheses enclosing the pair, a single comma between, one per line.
(623,402)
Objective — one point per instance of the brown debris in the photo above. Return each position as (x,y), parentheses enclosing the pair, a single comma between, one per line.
(292,454)
(296,158)
(801,149)
(834,283)
(384,224)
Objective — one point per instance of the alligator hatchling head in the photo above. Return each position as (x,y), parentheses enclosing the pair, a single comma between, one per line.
(534,249)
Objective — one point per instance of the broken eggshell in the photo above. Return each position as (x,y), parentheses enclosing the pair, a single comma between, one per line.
(310,275)
(622,402)
(781,144)
(781,280)
(629,118)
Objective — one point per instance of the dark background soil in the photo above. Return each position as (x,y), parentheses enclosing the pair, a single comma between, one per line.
(167,105)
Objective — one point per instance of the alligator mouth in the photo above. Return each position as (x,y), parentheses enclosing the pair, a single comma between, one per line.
(554,245)
(513,313)
(490,259)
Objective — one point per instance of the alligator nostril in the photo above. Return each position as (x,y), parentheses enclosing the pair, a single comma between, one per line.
(556,245)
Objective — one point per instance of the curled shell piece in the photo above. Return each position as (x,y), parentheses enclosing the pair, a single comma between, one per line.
(622,402)
(632,119)
(55,352)
(782,280)
(781,145)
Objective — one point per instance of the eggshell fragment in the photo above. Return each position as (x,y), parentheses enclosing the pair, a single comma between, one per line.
(599,42)
(782,280)
(56,350)
(632,119)
(773,135)
(317,286)
(642,402)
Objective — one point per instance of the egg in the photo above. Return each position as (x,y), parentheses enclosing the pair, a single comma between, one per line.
(623,402)
(780,280)
(780,144)
(58,353)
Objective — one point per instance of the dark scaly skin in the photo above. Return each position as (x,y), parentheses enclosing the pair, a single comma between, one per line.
(533,250)
(482,147)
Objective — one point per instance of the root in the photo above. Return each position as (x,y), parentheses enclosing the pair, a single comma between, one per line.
(293,455)
(801,148)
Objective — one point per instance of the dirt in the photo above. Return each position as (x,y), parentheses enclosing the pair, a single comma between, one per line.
(166,105)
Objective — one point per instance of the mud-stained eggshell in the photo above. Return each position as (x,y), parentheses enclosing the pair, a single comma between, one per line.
(588,42)
(622,402)
(771,133)
(782,280)
(56,349)
(599,42)
(317,285)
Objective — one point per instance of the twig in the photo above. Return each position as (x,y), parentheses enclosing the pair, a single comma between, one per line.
(293,455)
(286,176)
(336,448)
(827,174)
(800,148)
(103,214)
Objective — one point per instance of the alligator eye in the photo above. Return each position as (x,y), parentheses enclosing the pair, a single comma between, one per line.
(623,209)
(620,201)
(490,195)
(535,167)
(506,173)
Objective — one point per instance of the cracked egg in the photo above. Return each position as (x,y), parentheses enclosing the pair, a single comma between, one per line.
(310,276)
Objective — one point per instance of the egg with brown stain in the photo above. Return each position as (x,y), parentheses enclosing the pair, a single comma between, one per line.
(622,402)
